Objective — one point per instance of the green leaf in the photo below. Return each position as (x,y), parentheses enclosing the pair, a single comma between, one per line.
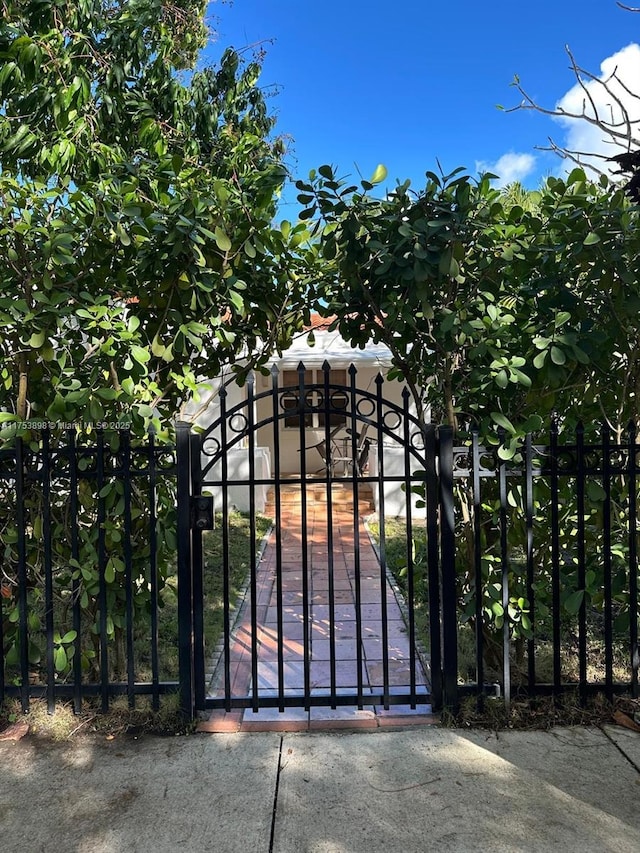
(595,491)
(222,240)
(591,239)
(106,393)
(236,300)
(140,354)
(37,339)
(539,360)
(502,380)
(157,348)
(557,355)
(574,601)
(501,420)
(60,659)
(379,174)
(122,235)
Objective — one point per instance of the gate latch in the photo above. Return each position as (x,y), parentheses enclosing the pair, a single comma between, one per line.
(202,512)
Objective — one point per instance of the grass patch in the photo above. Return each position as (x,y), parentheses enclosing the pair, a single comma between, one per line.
(120,719)
(239,535)
(239,568)
(544,713)
(397,556)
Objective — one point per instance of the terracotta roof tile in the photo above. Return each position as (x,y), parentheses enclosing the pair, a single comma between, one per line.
(318,322)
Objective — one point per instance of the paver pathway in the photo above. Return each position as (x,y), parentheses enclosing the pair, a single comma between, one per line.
(345,658)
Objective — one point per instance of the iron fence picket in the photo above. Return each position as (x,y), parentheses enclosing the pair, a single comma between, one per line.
(356,474)
(71,455)
(197,582)
(252,546)
(632,470)
(22,574)
(125,480)
(304,550)
(152,497)
(278,564)
(185,563)
(432,500)
(226,604)
(449,593)
(47,565)
(504,571)
(555,556)
(606,561)
(408,483)
(330,532)
(529,520)
(101,483)
(382,546)
(477,563)
(581,559)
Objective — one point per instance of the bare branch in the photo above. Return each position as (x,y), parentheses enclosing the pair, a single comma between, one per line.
(626,120)
(605,105)
(610,128)
(578,72)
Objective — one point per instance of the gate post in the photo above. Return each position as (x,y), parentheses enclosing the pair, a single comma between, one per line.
(448,564)
(433,565)
(185,581)
(197,580)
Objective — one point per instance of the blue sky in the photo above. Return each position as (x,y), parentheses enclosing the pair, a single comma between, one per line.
(407,83)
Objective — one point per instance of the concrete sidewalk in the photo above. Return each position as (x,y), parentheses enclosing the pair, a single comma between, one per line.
(368,792)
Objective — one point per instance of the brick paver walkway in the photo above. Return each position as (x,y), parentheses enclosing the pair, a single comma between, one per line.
(345,631)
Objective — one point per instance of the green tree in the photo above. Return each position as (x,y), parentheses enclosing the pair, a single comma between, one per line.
(138,254)
(138,247)
(496,313)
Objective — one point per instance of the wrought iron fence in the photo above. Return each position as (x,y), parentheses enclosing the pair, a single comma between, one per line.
(86,552)
(539,550)
(531,566)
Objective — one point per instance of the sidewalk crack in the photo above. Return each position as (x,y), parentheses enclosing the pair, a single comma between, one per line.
(620,749)
(275,796)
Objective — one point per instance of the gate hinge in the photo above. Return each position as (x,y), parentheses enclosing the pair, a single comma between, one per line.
(202,512)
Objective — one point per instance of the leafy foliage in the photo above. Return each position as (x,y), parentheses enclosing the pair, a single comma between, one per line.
(137,208)
(139,252)
(497,314)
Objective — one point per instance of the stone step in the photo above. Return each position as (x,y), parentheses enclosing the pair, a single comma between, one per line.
(341,497)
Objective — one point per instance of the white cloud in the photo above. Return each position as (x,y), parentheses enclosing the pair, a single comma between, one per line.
(511,167)
(582,136)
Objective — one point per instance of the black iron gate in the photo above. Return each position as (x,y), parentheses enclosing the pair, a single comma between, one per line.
(319,624)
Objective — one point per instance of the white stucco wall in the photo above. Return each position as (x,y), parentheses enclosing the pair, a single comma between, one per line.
(329,347)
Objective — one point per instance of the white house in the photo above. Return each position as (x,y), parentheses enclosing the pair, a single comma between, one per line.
(281,435)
